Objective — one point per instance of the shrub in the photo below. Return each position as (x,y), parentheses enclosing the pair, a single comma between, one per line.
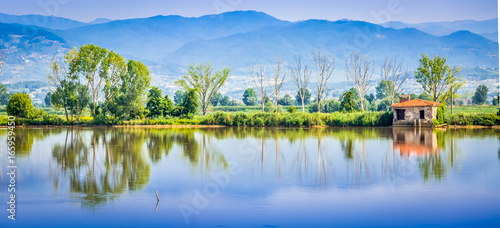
(20,105)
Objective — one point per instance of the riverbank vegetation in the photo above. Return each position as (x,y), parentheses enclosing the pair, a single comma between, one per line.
(96,86)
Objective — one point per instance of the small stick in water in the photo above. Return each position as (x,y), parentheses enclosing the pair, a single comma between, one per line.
(157,198)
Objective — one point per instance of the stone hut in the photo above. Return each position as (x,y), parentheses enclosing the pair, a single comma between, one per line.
(410,112)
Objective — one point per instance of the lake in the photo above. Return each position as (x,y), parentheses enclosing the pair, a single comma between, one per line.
(253,177)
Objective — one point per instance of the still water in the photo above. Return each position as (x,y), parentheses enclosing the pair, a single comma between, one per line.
(253,177)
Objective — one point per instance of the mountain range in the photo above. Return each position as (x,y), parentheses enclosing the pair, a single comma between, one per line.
(487,28)
(168,44)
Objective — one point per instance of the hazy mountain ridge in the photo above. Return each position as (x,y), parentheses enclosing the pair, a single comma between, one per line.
(487,27)
(168,44)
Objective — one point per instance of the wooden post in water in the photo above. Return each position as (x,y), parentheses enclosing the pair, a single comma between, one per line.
(157,198)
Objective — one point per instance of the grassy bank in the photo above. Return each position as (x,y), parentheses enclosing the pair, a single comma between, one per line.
(368,119)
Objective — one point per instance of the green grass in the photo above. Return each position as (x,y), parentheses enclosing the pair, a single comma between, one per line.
(473,109)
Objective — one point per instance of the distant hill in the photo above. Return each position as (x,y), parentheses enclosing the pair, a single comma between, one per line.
(49,22)
(99,21)
(168,44)
(486,28)
(28,54)
(339,37)
(151,38)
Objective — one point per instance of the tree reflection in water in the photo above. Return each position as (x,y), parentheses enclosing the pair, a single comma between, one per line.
(103,163)
(100,164)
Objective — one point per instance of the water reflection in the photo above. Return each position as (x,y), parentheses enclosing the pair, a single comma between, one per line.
(101,164)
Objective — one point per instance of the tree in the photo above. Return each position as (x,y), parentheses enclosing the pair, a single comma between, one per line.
(250,97)
(325,65)
(381,89)
(80,100)
(370,98)
(204,81)
(233,103)
(384,105)
(4,95)
(89,62)
(278,80)
(20,105)
(480,95)
(259,80)
(156,104)
(495,100)
(424,96)
(47,99)
(168,106)
(189,103)
(394,76)
(286,100)
(303,95)
(216,99)
(179,96)
(435,77)
(348,102)
(130,102)
(301,75)
(413,96)
(113,68)
(358,74)
(225,101)
(63,81)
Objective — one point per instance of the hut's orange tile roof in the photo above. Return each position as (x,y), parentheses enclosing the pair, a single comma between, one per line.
(416,103)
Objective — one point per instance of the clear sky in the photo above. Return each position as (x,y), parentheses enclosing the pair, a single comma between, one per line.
(377,11)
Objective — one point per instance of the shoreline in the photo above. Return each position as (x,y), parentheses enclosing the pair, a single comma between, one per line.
(223,126)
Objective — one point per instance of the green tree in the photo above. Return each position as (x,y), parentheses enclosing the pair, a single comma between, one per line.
(233,103)
(179,96)
(384,105)
(348,103)
(307,97)
(495,100)
(89,62)
(250,97)
(47,100)
(370,98)
(205,82)
(79,100)
(20,105)
(286,100)
(424,96)
(4,95)
(480,95)
(413,96)
(216,99)
(436,77)
(168,105)
(130,102)
(225,101)
(189,103)
(156,104)
(383,89)
(113,68)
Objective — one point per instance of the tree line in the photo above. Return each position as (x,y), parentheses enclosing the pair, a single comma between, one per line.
(104,82)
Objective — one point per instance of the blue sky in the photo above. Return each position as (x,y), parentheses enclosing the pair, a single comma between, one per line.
(377,11)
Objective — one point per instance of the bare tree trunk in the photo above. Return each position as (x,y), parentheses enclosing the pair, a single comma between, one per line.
(303,110)
(324,70)
(359,73)
(451,95)
(392,70)
(279,79)
(301,75)
(259,81)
